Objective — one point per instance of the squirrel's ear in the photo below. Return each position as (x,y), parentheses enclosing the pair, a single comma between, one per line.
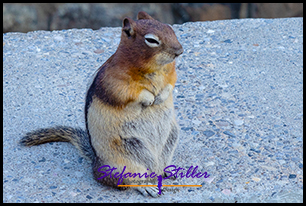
(143,15)
(128,26)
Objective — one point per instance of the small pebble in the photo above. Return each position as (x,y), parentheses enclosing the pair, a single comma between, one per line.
(226,192)
(88,197)
(229,134)
(256,179)
(208,133)
(210,31)
(42,160)
(228,41)
(238,122)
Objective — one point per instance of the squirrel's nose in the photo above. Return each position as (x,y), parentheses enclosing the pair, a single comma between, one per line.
(179,51)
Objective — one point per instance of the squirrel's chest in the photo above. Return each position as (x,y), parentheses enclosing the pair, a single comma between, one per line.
(106,122)
(154,82)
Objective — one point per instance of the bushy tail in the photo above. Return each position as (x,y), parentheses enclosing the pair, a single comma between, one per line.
(76,136)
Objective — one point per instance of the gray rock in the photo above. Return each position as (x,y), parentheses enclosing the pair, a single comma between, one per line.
(45,77)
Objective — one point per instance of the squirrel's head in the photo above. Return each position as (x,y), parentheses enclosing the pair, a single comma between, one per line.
(149,41)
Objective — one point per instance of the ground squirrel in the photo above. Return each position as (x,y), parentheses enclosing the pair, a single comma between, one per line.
(129,110)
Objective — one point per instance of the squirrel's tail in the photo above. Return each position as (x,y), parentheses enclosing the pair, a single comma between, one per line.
(76,136)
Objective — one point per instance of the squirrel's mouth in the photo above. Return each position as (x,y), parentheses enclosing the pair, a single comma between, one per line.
(165,58)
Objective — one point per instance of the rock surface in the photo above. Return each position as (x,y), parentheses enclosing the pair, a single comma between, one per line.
(238,101)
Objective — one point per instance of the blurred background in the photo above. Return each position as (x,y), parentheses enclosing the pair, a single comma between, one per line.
(24,17)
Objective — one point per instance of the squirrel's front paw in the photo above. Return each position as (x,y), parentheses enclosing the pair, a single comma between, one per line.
(146,98)
(163,95)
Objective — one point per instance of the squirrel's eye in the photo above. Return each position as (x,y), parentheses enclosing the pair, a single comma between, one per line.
(152,40)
